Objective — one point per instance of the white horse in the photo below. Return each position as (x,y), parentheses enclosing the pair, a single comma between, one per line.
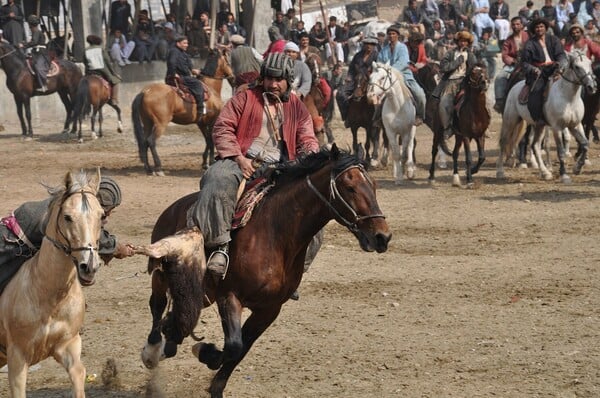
(398,115)
(563,109)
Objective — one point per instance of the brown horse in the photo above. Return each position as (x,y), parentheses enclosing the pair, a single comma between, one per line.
(471,122)
(93,93)
(43,306)
(266,257)
(160,104)
(23,85)
(317,98)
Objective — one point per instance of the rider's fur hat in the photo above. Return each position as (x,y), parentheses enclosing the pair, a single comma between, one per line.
(464,35)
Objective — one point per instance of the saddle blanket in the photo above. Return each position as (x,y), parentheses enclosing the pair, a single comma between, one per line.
(254,192)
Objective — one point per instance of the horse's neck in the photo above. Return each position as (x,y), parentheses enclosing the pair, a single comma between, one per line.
(476,98)
(13,70)
(396,94)
(214,83)
(566,89)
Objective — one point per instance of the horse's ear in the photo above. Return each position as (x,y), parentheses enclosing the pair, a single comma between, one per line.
(334,152)
(94,180)
(360,154)
(68,181)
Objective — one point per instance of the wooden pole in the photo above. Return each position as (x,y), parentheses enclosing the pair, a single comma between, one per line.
(300,7)
(326,24)
(213,23)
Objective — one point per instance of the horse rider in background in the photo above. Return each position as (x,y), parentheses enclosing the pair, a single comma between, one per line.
(245,61)
(36,47)
(578,41)
(302,75)
(97,62)
(456,64)
(511,56)
(359,66)
(543,56)
(396,54)
(260,126)
(22,232)
(179,64)
(416,52)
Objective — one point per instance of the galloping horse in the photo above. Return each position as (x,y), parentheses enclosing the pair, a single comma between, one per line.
(93,93)
(266,257)
(23,85)
(563,108)
(398,115)
(317,98)
(470,122)
(159,104)
(42,307)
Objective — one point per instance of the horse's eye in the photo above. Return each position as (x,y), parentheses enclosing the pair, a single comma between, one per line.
(68,218)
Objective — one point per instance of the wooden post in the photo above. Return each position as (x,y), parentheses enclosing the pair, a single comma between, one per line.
(326,27)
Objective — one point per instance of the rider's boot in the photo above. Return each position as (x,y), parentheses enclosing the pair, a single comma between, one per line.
(499,105)
(219,261)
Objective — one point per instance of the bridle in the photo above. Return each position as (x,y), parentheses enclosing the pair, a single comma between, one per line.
(579,79)
(8,53)
(334,194)
(66,247)
(481,81)
(382,86)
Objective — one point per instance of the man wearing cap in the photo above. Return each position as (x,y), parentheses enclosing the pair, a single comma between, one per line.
(359,66)
(262,125)
(543,56)
(245,61)
(36,47)
(456,64)
(97,62)
(335,41)
(511,56)
(277,42)
(302,75)
(22,232)
(578,41)
(179,64)
(395,53)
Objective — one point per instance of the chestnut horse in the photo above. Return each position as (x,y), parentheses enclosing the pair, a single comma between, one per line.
(23,85)
(159,104)
(42,307)
(266,257)
(93,93)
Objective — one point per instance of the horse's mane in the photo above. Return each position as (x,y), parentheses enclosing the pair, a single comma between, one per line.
(398,75)
(79,181)
(308,164)
(212,62)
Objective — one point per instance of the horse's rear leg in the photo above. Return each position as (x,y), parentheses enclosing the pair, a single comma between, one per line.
(100,121)
(66,100)
(458,142)
(208,156)
(69,356)
(119,121)
(583,145)
(481,154)
(152,138)
(153,351)
(237,344)
(537,151)
(434,152)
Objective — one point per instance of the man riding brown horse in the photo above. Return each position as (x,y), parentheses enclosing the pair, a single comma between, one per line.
(179,64)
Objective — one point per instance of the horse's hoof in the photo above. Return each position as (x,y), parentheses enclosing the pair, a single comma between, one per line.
(80,141)
(94,136)
(587,162)
(208,354)
(27,138)
(374,163)
(119,130)
(442,165)
(152,354)
(456,180)
(565,179)
(431,182)
(158,173)
(470,185)
(547,177)
(522,165)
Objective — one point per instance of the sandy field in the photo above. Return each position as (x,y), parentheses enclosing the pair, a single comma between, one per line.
(484,292)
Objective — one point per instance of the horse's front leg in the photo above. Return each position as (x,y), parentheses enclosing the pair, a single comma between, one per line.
(583,145)
(434,151)
(480,153)
(153,351)
(537,152)
(458,141)
(100,121)
(408,144)
(560,151)
(20,106)
(69,357)
(253,328)
(17,372)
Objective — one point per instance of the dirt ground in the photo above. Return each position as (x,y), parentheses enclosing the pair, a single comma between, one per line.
(492,291)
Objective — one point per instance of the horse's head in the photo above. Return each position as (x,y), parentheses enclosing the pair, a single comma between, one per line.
(352,201)
(74,223)
(6,49)
(217,65)
(478,79)
(360,87)
(579,71)
(314,64)
(380,81)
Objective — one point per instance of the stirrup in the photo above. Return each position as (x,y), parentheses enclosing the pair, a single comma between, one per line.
(222,271)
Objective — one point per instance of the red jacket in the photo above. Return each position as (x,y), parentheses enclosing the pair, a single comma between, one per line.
(240,122)
(593,49)
(419,58)
(275,47)
(510,51)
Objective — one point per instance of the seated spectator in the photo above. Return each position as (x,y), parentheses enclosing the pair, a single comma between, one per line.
(166,39)
(334,45)
(317,36)
(586,9)
(177,29)
(564,9)
(481,20)
(429,13)
(297,31)
(197,38)
(527,13)
(291,20)
(412,16)
(445,44)
(281,25)
(433,36)
(591,31)
(305,48)
(121,49)
(486,51)
(223,35)
(205,23)
(145,38)
(500,15)
(233,27)
(548,12)
(448,14)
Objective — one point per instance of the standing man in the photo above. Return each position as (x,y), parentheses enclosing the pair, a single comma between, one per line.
(245,61)
(543,55)
(179,64)
(266,124)
(11,23)
(120,14)
(511,55)
(396,54)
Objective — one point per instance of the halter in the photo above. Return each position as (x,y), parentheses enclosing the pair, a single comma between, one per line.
(479,83)
(579,81)
(66,248)
(334,193)
(388,76)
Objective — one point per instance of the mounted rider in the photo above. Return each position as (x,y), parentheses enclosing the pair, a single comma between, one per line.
(456,64)
(590,48)
(359,66)
(543,56)
(36,47)
(511,56)
(395,53)
(179,64)
(97,62)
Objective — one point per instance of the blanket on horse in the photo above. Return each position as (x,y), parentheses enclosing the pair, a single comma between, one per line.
(181,89)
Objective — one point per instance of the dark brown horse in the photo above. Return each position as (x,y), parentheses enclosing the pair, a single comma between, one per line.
(471,122)
(159,104)
(23,85)
(317,98)
(93,93)
(266,258)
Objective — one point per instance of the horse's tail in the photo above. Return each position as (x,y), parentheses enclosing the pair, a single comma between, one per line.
(138,128)
(510,137)
(82,106)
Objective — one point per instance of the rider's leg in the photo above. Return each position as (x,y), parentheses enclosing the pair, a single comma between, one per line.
(500,85)
(420,100)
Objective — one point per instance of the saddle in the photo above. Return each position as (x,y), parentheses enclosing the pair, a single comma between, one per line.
(53,71)
(524,94)
(176,82)
(253,193)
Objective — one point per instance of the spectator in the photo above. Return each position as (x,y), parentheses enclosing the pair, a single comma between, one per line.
(302,76)
(306,48)
(500,14)
(222,14)
(567,26)
(412,16)
(205,23)
(298,30)
(291,20)
(448,14)
(429,13)
(335,42)
(596,12)
(223,35)
(481,20)
(586,9)
(145,38)
(433,36)
(465,14)
(11,23)
(486,51)
(527,13)
(121,49)
(444,45)
(591,31)
(120,14)
(245,61)
(564,9)
(280,24)
(177,28)
(317,36)
(548,12)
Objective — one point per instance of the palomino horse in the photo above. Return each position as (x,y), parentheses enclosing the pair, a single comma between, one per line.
(93,93)
(317,98)
(470,122)
(23,85)
(42,307)
(563,108)
(159,104)
(266,257)
(398,116)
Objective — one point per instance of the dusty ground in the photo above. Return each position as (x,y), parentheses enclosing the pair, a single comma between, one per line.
(492,291)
